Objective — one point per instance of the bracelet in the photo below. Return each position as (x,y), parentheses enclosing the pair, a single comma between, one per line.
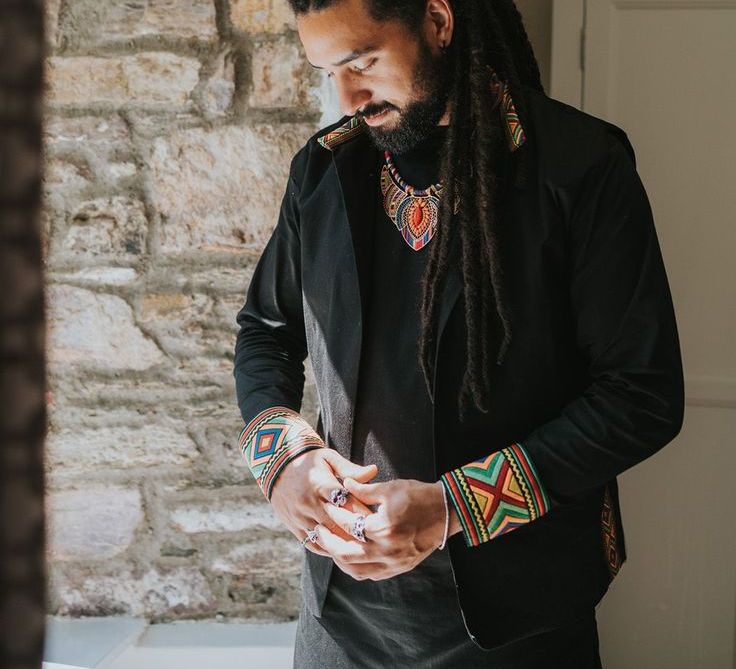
(447,518)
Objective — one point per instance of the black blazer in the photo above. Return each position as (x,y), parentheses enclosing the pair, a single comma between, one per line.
(591,385)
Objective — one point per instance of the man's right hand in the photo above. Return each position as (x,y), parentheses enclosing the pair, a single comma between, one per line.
(304,485)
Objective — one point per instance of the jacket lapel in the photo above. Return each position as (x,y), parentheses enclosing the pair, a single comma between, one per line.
(450,295)
(356,164)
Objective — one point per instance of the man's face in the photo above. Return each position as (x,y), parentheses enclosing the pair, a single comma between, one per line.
(397,80)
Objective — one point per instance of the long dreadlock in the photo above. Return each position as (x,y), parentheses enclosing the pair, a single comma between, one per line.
(475,173)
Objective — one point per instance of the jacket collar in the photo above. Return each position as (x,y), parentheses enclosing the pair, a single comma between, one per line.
(355,126)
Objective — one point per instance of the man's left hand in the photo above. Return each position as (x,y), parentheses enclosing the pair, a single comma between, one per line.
(407,526)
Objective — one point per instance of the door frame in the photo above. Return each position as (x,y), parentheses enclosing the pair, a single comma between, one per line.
(567,82)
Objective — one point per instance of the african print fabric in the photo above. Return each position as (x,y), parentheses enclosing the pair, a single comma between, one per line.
(513,126)
(496,494)
(273,439)
(610,535)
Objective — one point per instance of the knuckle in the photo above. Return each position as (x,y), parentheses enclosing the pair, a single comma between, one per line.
(314,477)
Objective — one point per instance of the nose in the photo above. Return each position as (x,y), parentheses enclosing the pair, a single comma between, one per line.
(351,94)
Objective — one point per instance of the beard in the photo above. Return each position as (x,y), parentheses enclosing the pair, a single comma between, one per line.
(431,82)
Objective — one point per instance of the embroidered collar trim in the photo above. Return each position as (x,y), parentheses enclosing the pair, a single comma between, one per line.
(354,126)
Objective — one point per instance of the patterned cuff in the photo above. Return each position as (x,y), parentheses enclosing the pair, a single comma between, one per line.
(273,439)
(496,494)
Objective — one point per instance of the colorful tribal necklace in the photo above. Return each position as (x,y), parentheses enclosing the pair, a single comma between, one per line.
(414,212)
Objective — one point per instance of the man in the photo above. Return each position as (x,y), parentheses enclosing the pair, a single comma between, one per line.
(474,272)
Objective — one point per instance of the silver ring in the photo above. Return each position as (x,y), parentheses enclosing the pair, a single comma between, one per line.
(338,496)
(311,536)
(358,527)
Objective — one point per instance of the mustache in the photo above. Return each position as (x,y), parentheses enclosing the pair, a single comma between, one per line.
(374,109)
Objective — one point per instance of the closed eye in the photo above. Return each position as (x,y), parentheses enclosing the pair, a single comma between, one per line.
(355,68)
(367,67)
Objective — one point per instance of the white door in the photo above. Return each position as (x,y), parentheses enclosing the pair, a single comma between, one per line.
(664,71)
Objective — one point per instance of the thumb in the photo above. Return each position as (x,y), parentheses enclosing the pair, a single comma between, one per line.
(344,468)
(365,473)
(368,493)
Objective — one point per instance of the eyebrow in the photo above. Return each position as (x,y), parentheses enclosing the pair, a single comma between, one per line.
(351,56)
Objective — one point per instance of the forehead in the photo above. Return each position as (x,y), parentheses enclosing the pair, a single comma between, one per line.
(331,34)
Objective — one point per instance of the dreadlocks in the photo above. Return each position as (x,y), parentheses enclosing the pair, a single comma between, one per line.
(476,169)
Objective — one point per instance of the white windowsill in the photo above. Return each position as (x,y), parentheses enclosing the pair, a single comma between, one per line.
(130,643)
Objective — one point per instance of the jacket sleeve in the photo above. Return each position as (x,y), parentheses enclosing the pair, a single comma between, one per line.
(270,350)
(626,331)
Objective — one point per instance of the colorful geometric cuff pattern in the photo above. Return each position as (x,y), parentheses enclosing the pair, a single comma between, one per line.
(514,129)
(273,439)
(611,545)
(496,494)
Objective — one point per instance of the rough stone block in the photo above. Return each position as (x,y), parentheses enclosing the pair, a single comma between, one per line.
(225,516)
(266,596)
(151,78)
(93,131)
(51,22)
(263,555)
(281,75)
(216,430)
(89,23)
(95,331)
(93,523)
(218,91)
(76,450)
(261,16)
(66,178)
(221,189)
(150,593)
(97,276)
(210,280)
(180,322)
(111,228)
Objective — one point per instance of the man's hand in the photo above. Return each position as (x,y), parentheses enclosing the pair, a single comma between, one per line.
(407,526)
(304,485)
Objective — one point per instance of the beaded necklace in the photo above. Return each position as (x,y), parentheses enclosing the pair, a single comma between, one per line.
(414,212)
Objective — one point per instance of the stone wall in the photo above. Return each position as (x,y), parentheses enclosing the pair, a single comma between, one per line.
(169,129)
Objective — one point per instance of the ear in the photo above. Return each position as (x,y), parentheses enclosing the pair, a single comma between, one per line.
(442,22)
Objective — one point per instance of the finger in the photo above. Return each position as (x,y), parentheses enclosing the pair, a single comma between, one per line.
(341,549)
(325,520)
(368,493)
(325,482)
(313,543)
(356,506)
(317,516)
(344,467)
(346,520)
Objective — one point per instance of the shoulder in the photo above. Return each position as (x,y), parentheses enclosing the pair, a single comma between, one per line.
(569,141)
(315,156)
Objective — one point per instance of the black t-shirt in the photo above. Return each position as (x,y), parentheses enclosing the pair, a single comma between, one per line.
(393,414)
